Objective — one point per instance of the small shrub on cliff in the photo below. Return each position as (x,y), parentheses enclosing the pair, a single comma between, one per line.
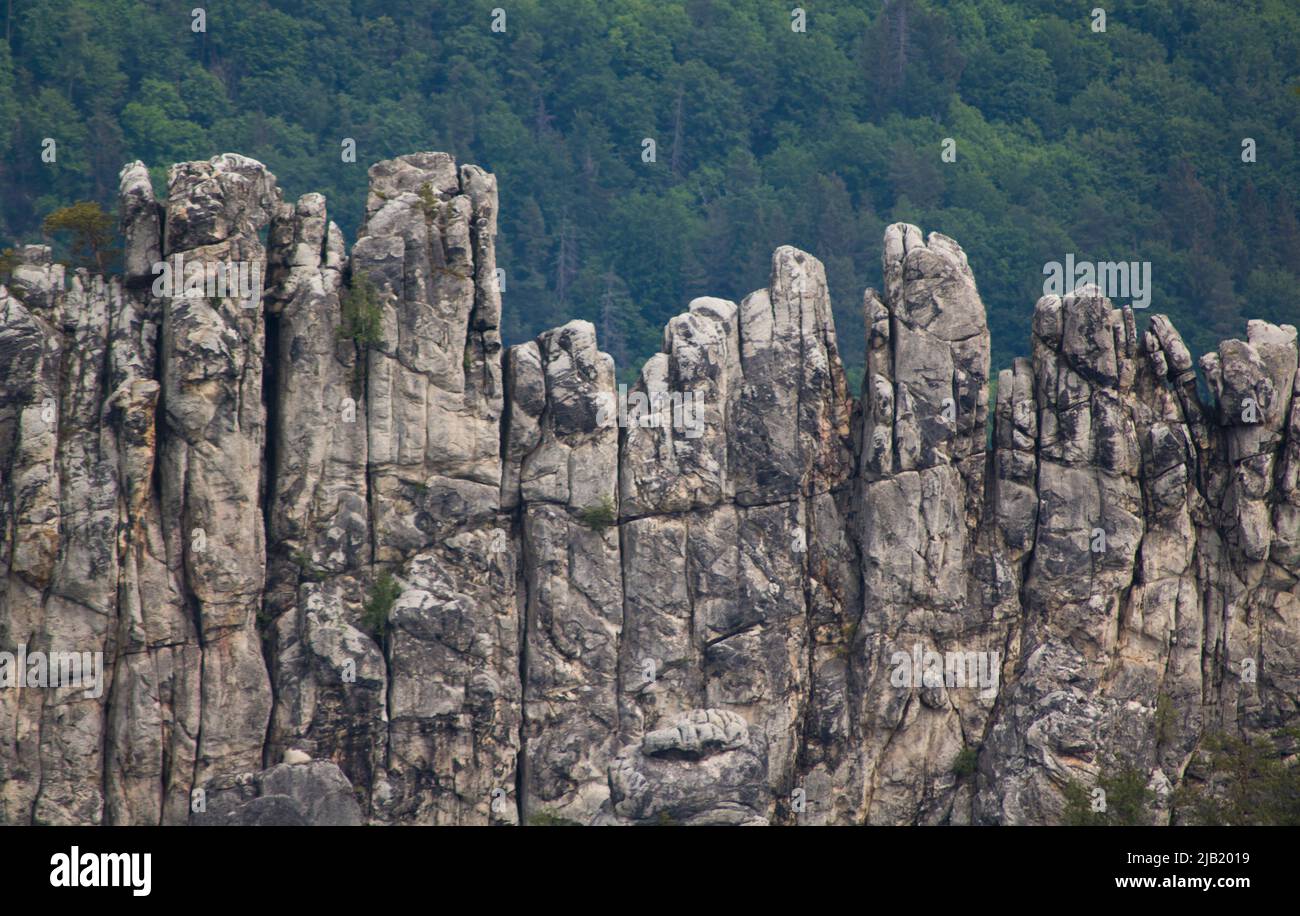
(848,639)
(363,318)
(1126,802)
(1244,782)
(600,516)
(310,571)
(1166,719)
(966,762)
(8,263)
(92,232)
(382,597)
(428,202)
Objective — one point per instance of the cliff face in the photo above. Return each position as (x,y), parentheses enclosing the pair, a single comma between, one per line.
(715,603)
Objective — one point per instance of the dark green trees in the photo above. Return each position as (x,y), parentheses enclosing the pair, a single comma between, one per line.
(1124,144)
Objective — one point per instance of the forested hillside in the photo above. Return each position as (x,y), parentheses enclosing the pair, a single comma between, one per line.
(1122,144)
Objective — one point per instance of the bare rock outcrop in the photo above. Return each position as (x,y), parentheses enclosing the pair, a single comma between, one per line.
(293,794)
(323,518)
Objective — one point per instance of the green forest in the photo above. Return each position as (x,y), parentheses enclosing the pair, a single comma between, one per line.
(1122,144)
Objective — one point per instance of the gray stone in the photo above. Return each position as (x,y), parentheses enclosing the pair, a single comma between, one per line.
(449,585)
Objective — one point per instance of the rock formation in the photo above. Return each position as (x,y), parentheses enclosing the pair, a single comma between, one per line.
(335,523)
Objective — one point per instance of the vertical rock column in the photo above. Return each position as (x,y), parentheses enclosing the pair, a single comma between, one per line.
(30,348)
(562,473)
(1156,676)
(154,707)
(718,504)
(675,480)
(925,406)
(81,600)
(329,673)
(58,538)
(434,383)
(433,412)
(214,432)
(1086,536)
(676,504)
(1253,609)
(788,450)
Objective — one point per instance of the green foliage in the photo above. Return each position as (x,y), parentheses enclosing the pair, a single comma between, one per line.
(966,763)
(1242,782)
(383,595)
(91,230)
(8,261)
(848,638)
(428,203)
(310,571)
(1127,800)
(363,317)
(853,376)
(1115,146)
(599,516)
(1166,719)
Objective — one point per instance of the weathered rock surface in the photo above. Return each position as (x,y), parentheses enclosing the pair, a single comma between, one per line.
(293,794)
(448,584)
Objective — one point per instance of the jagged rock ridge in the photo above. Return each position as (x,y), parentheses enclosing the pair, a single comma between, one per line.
(691,615)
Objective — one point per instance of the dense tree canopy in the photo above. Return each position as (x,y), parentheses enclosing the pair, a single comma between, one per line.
(1122,144)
